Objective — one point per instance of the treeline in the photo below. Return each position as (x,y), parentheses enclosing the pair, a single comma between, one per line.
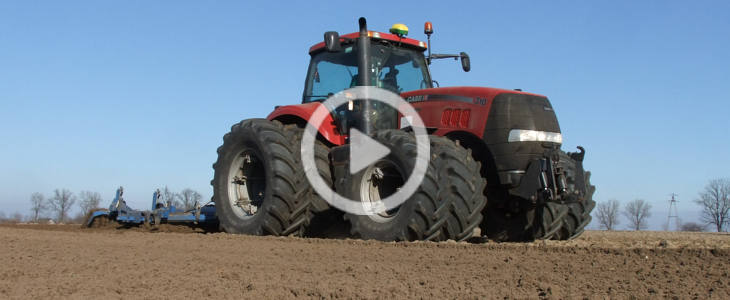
(58,207)
(714,200)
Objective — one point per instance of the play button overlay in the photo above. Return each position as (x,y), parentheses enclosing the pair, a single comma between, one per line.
(364,151)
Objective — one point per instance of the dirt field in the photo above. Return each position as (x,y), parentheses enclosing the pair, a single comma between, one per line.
(69,262)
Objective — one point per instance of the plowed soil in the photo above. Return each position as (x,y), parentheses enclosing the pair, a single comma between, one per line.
(68,262)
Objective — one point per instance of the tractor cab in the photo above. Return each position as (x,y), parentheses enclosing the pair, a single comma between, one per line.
(397,64)
(392,62)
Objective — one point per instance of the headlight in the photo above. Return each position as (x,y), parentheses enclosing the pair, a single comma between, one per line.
(524,135)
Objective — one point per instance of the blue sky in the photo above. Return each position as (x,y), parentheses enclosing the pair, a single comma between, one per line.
(97,94)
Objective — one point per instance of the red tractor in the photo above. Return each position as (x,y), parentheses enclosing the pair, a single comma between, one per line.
(495,167)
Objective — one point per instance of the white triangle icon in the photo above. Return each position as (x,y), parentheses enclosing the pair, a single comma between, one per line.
(364,151)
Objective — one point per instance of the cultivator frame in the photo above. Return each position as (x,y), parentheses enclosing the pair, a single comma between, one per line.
(161,212)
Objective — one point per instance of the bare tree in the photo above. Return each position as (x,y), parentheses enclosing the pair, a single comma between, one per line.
(61,203)
(692,226)
(37,205)
(89,201)
(715,202)
(168,195)
(188,198)
(607,213)
(637,211)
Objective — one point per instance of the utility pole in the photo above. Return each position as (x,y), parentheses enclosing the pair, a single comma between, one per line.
(673,213)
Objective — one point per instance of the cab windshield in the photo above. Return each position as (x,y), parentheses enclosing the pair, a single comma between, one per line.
(396,69)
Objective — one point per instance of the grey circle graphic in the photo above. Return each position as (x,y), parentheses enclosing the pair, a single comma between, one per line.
(422,151)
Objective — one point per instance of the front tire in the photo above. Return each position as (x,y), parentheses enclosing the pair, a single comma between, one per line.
(579,214)
(420,217)
(259,187)
(541,222)
(461,185)
(549,220)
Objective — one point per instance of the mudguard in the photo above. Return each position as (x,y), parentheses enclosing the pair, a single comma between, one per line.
(299,114)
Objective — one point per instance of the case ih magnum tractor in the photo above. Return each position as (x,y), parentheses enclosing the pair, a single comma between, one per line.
(495,167)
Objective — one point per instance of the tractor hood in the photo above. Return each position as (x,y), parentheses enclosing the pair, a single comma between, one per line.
(513,124)
(496,111)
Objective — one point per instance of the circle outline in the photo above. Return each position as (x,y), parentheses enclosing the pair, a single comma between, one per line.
(423,149)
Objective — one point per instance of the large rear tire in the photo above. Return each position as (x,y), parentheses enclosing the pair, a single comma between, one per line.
(259,187)
(321,160)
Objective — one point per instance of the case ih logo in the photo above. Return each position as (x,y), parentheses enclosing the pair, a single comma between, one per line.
(417,98)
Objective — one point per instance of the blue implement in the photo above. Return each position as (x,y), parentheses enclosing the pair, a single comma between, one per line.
(161,212)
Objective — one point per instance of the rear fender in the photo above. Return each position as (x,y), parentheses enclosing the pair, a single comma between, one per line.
(299,114)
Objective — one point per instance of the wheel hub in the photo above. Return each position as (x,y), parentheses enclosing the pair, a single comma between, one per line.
(246,184)
(379,181)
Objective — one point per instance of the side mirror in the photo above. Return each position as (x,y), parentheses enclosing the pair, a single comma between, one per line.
(332,41)
(465,63)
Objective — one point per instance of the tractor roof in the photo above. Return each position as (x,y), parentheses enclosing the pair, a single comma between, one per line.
(377,36)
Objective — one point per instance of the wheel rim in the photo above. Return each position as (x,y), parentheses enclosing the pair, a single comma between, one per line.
(246,184)
(379,181)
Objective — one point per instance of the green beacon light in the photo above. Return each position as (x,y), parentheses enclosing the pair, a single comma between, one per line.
(399,30)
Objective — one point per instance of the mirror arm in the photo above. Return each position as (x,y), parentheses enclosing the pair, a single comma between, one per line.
(465,64)
(440,56)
